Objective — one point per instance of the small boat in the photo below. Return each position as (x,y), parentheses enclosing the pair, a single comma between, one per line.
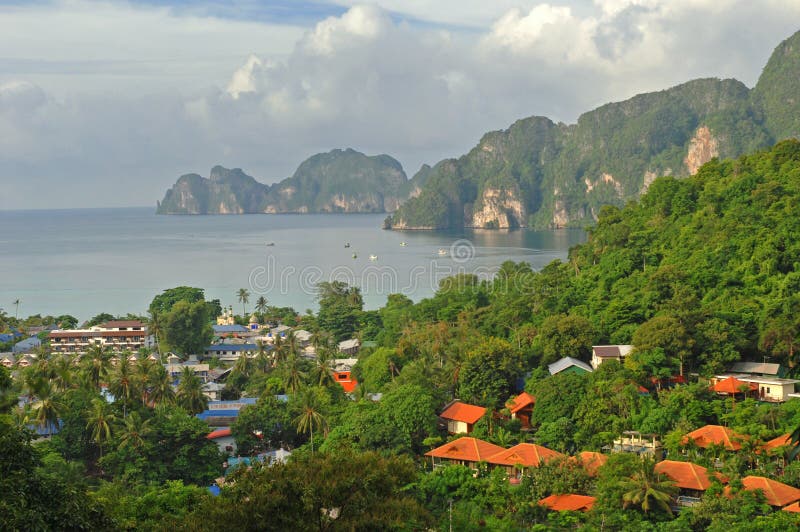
(355,256)
(270,244)
(403,244)
(442,252)
(347,244)
(373,258)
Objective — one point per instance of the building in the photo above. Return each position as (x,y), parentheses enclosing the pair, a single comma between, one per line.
(224,440)
(117,335)
(345,380)
(604,353)
(7,360)
(775,493)
(229,330)
(521,407)
(635,442)
(569,365)
(230,352)
(764,369)
(28,345)
(592,461)
(224,413)
(523,455)
(691,479)
(568,503)
(349,347)
(461,417)
(463,451)
(709,435)
(771,389)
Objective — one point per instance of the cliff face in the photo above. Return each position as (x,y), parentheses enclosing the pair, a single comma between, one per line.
(339,181)
(561,175)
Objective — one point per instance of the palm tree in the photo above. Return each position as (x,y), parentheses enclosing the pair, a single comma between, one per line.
(97,363)
(647,489)
(16,303)
(310,416)
(143,373)
(134,430)
(159,388)
(323,370)
(190,392)
(280,350)
(154,328)
(48,406)
(244,299)
(261,305)
(293,374)
(243,366)
(100,421)
(263,358)
(122,383)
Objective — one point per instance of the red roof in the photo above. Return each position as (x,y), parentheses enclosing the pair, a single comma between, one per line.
(526,454)
(521,401)
(733,385)
(592,461)
(686,474)
(776,493)
(116,324)
(466,449)
(794,508)
(715,435)
(458,411)
(219,433)
(570,502)
(776,443)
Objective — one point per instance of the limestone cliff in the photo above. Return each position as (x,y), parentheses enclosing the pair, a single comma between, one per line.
(498,209)
(702,148)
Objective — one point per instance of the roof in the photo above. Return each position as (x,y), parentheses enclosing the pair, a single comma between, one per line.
(116,324)
(219,433)
(686,475)
(776,493)
(794,508)
(349,344)
(612,351)
(732,385)
(27,343)
(343,364)
(715,435)
(218,413)
(231,347)
(560,365)
(526,454)
(344,379)
(222,329)
(569,502)
(776,443)
(592,461)
(458,411)
(756,367)
(521,401)
(466,449)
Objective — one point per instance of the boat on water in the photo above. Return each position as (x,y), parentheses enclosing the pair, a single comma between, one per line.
(355,256)
(270,244)
(403,244)
(373,258)
(347,244)
(442,252)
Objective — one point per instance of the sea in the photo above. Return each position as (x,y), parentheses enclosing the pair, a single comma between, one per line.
(87,261)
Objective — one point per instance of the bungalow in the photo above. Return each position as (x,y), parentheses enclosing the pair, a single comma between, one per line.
(303,337)
(709,435)
(772,389)
(775,493)
(26,360)
(778,445)
(223,413)
(28,345)
(763,369)
(463,451)
(569,365)
(633,441)
(691,479)
(7,360)
(345,380)
(521,407)
(224,440)
(603,353)
(213,390)
(230,352)
(350,347)
(569,502)
(592,461)
(461,417)
(229,331)
(521,456)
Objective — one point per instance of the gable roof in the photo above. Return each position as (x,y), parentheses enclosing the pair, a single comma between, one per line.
(466,449)
(219,433)
(560,365)
(714,435)
(222,329)
(592,461)
(115,324)
(776,443)
(686,475)
(521,401)
(458,411)
(765,368)
(612,351)
(569,502)
(733,385)
(526,454)
(794,508)
(776,493)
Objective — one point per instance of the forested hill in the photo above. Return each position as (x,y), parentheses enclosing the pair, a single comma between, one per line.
(543,174)
(337,181)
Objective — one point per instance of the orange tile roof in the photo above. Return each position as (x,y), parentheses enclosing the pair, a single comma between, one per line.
(526,454)
(776,493)
(592,461)
(521,401)
(219,433)
(686,474)
(466,449)
(715,435)
(458,411)
(571,502)
(794,508)
(733,385)
(776,443)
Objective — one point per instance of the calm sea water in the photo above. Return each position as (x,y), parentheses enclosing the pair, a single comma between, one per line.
(83,262)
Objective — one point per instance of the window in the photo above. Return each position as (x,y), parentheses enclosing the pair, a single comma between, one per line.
(767,389)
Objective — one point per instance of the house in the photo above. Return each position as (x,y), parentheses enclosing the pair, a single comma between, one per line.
(7,360)
(463,451)
(302,337)
(603,353)
(778,445)
(213,390)
(569,365)
(763,369)
(592,461)
(345,380)
(709,435)
(733,387)
(771,389)
(521,407)
(229,331)
(224,440)
(28,345)
(230,352)
(569,502)
(691,479)
(634,441)
(349,347)
(116,335)
(521,456)
(175,370)
(224,413)
(26,360)
(793,508)
(461,417)
(775,493)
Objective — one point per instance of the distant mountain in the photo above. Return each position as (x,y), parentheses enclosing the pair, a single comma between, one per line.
(542,174)
(337,181)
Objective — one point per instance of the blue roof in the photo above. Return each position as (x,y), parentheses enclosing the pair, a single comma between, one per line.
(218,413)
(45,430)
(214,489)
(234,402)
(222,329)
(5,337)
(231,347)
(26,344)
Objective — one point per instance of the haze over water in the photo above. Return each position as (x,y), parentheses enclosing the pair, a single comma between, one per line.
(86,261)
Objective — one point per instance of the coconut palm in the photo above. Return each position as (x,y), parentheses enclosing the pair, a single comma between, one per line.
(190,392)
(159,389)
(100,420)
(263,359)
(323,368)
(154,327)
(48,406)
(63,377)
(96,364)
(280,350)
(244,298)
(647,489)
(134,430)
(293,374)
(310,416)
(122,383)
(16,303)
(261,305)
(243,366)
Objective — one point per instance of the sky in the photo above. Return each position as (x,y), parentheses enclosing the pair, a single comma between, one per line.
(106,103)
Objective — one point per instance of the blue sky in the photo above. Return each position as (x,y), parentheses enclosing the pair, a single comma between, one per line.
(101,96)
